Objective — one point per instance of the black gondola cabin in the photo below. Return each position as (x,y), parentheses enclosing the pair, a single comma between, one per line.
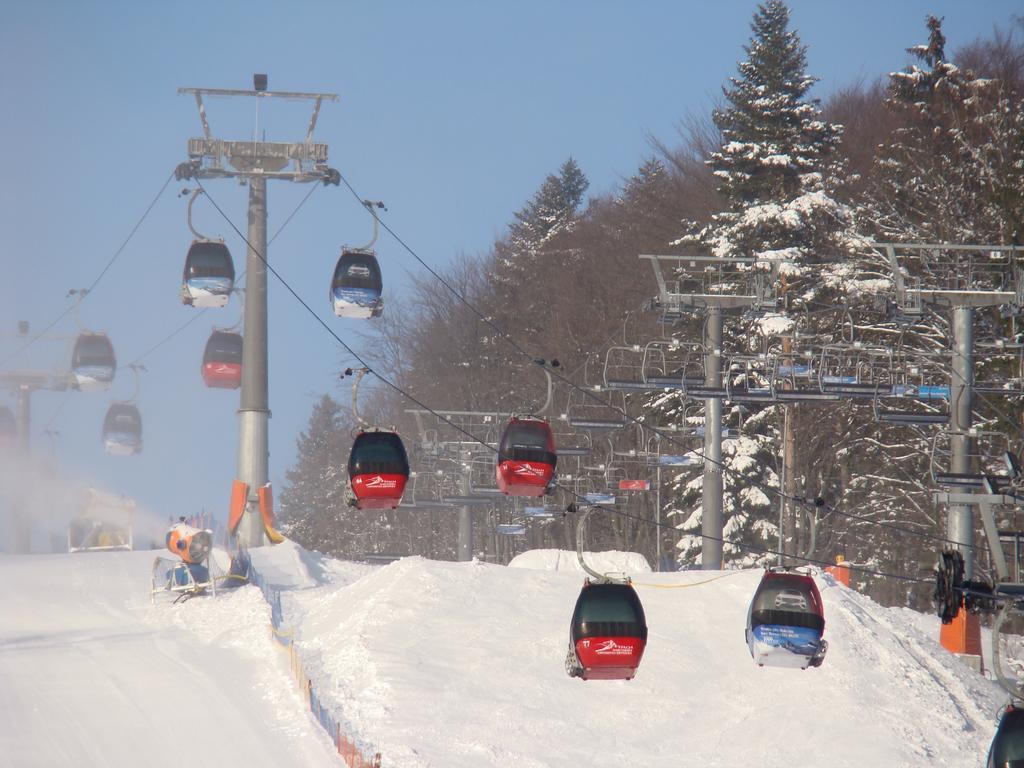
(357,285)
(526,458)
(608,634)
(378,469)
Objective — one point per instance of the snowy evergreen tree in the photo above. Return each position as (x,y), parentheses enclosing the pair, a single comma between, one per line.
(313,506)
(778,172)
(777,167)
(550,210)
(950,173)
(953,172)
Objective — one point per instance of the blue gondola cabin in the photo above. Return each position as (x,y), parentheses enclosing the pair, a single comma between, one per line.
(786,621)
(92,362)
(357,285)
(209,275)
(122,430)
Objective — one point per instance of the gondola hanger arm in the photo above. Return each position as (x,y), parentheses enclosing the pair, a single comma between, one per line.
(359,373)
(370,205)
(195,193)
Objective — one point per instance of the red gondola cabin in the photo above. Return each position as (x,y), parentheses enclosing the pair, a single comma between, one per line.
(378,469)
(608,634)
(222,360)
(526,458)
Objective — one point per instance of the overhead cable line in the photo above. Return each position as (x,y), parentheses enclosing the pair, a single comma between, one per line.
(203,311)
(796,500)
(571,492)
(85,293)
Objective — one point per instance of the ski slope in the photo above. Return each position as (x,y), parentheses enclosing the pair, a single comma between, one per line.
(91,674)
(458,665)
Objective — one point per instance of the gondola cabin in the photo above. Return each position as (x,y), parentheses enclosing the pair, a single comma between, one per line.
(222,360)
(92,362)
(526,458)
(786,621)
(209,274)
(357,285)
(608,633)
(1007,750)
(378,470)
(122,430)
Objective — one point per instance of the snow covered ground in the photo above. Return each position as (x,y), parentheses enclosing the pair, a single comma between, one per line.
(91,674)
(458,665)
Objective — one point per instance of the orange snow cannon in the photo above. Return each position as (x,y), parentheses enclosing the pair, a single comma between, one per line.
(190,544)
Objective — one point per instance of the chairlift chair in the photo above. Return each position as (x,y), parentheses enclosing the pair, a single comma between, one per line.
(122,430)
(209,275)
(749,379)
(918,414)
(624,369)
(357,285)
(93,362)
(481,474)
(852,370)
(786,621)
(673,364)
(595,415)
(378,469)
(222,360)
(526,457)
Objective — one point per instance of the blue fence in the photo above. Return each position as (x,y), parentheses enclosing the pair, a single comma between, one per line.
(354,754)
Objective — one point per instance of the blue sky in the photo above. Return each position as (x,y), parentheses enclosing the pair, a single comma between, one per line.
(450,112)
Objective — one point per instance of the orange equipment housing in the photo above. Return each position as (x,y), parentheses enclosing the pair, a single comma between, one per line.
(190,544)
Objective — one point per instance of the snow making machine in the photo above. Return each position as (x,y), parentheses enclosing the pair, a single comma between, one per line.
(191,575)
(102,523)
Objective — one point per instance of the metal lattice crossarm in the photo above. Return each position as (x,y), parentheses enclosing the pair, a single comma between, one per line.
(214,158)
(703,282)
(210,157)
(953,275)
(16,381)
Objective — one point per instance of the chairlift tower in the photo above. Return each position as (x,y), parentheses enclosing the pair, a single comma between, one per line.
(255,162)
(713,286)
(23,384)
(459,452)
(962,279)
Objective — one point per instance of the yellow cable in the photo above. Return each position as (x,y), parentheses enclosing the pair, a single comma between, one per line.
(684,586)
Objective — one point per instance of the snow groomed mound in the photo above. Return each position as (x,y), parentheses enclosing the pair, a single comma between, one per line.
(461,664)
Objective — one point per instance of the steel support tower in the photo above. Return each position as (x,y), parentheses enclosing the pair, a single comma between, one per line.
(962,279)
(255,162)
(709,284)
